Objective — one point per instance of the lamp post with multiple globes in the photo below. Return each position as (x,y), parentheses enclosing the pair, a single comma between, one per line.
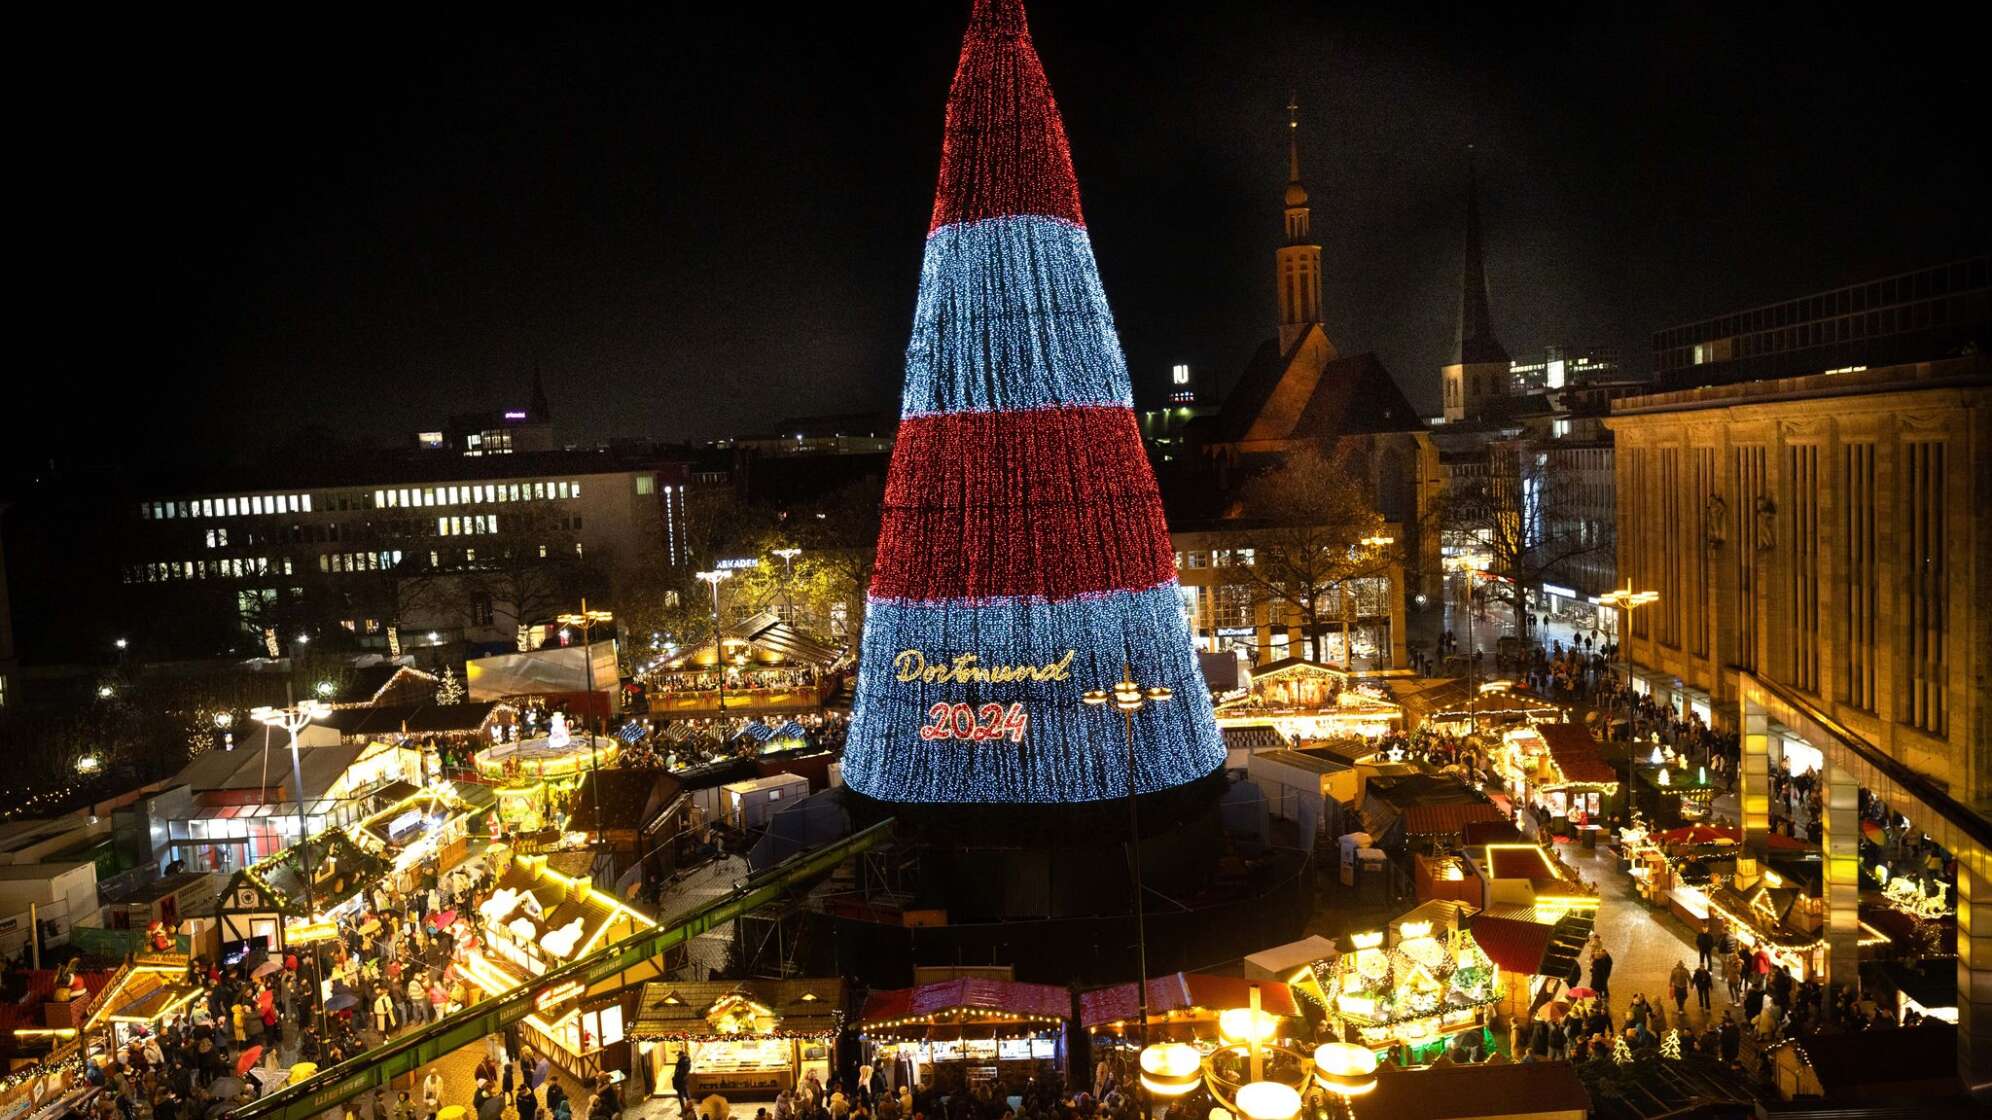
(293,718)
(587,620)
(1174,1069)
(1129,697)
(715,577)
(1627,600)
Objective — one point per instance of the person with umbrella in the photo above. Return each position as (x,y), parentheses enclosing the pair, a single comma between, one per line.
(527,1104)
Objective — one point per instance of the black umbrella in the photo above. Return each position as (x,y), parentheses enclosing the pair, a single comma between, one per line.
(344,1001)
(492,1108)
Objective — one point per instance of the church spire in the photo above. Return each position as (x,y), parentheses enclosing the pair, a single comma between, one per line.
(1476,324)
(1298,261)
(537,407)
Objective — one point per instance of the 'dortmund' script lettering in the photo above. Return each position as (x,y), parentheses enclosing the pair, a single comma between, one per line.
(912,665)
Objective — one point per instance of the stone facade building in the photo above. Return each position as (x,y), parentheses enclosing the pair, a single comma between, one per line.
(1820,548)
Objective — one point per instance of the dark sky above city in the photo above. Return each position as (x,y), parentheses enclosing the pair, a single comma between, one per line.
(696,219)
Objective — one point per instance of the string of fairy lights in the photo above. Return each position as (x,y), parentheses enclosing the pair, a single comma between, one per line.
(1023,555)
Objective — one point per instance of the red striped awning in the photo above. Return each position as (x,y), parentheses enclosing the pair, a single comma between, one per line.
(998,996)
(1181,991)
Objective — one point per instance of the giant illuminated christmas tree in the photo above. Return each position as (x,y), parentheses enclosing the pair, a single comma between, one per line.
(1023,558)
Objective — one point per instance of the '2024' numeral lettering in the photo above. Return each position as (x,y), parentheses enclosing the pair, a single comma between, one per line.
(976,725)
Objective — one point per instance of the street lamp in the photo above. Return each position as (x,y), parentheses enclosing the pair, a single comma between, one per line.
(292,719)
(1128,698)
(1174,1069)
(716,577)
(788,556)
(122,644)
(587,620)
(1627,600)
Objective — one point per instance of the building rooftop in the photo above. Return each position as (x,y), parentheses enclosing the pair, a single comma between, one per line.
(1969,372)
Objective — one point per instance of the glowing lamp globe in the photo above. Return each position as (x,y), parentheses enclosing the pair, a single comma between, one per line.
(1170,1069)
(1268,1100)
(1245,1025)
(1344,1068)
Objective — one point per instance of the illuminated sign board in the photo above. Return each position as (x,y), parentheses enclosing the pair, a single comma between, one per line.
(737,563)
(550,998)
(515,414)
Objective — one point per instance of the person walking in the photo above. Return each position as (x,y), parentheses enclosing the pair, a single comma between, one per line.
(1601,971)
(1677,986)
(1703,982)
(1705,945)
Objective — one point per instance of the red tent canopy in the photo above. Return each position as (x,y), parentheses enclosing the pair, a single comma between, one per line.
(1182,991)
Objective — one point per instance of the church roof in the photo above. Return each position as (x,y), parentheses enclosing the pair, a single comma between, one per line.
(1354,395)
(1476,324)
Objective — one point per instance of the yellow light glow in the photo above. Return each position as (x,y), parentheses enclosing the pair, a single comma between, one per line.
(1369,940)
(1413,931)
(1268,1100)
(1244,1024)
(1345,1068)
(1170,1069)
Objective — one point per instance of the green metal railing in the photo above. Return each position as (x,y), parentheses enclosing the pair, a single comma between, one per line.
(377,1067)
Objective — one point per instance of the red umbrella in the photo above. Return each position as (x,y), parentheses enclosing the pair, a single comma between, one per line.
(247,1059)
(442,919)
(1581,993)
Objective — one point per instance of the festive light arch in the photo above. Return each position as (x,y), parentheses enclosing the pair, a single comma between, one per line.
(1023,558)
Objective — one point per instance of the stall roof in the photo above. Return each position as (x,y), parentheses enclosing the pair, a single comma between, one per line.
(1574,752)
(677,1009)
(1447,820)
(1515,945)
(415,719)
(1009,996)
(245,769)
(1311,761)
(1183,991)
(1479,1092)
(630,798)
(1281,960)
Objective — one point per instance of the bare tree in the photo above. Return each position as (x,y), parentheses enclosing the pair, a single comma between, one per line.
(1524,513)
(1317,537)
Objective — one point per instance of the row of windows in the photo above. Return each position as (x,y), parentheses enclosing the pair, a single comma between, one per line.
(256,505)
(1217,558)
(245,567)
(252,505)
(476,493)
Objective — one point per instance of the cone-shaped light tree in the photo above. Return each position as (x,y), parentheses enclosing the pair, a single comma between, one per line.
(1022,555)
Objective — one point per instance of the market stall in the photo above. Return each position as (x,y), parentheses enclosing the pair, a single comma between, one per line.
(426,831)
(1304,701)
(1557,769)
(1411,997)
(1182,1007)
(536,919)
(140,1001)
(963,1032)
(757,1037)
(268,905)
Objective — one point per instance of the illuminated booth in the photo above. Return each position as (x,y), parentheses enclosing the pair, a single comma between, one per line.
(1557,768)
(425,830)
(267,905)
(535,920)
(1413,996)
(1305,701)
(962,1032)
(757,1037)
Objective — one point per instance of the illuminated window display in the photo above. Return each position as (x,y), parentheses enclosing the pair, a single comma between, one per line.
(744,1036)
(1416,993)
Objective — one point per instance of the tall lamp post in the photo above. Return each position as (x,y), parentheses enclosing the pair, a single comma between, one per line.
(788,556)
(1627,600)
(587,620)
(1128,697)
(293,718)
(716,577)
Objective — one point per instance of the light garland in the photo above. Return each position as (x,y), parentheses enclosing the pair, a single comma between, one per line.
(1022,525)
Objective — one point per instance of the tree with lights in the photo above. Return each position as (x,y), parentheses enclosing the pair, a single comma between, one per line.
(449,690)
(1022,556)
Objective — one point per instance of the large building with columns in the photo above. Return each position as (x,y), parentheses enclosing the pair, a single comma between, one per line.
(1822,550)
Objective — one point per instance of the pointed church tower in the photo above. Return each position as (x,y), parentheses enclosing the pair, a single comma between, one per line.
(1022,556)
(1298,262)
(537,407)
(1479,372)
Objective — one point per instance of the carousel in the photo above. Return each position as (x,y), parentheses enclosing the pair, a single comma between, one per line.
(535,778)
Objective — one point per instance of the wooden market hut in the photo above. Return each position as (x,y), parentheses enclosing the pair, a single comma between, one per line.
(757,1037)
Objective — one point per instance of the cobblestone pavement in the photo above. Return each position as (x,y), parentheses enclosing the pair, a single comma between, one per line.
(1644,941)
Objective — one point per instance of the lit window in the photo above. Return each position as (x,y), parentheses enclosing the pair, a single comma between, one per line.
(645,484)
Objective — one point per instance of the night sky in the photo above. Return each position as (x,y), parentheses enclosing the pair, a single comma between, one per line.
(696,219)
